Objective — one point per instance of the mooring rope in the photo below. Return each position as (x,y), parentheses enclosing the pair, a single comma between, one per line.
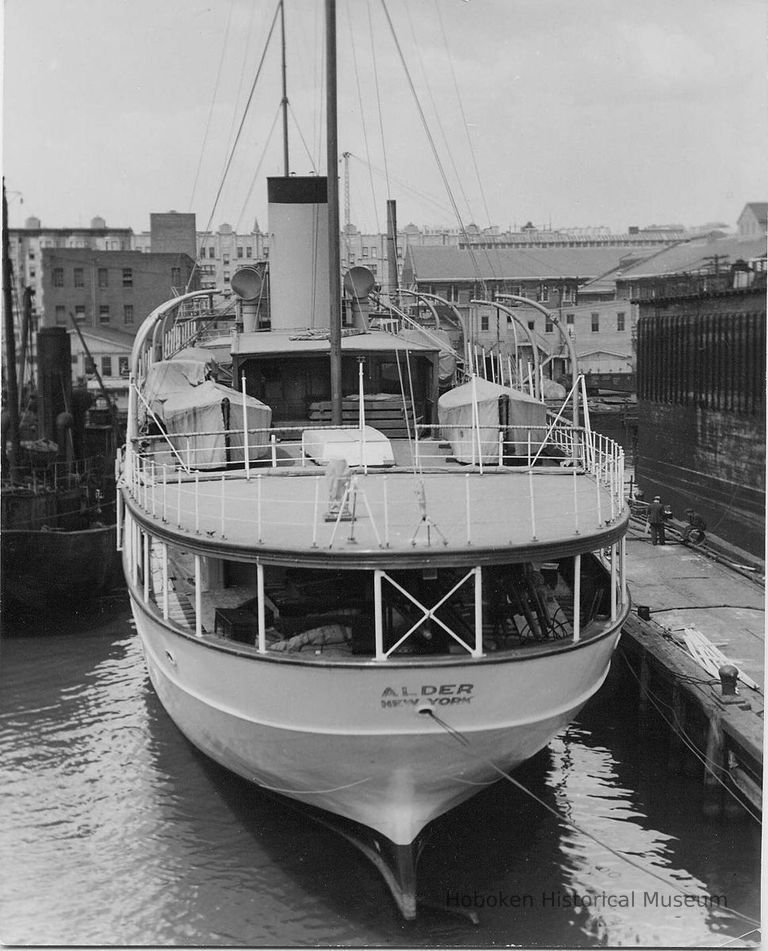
(464,741)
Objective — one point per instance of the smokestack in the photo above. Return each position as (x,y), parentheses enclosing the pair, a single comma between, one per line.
(298,256)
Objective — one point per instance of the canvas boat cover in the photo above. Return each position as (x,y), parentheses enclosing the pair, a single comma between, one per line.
(435,338)
(526,417)
(194,412)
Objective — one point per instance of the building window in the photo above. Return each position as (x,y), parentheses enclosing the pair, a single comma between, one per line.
(373,268)
(103,277)
(374,252)
(211,252)
(106,366)
(542,294)
(567,295)
(620,321)
(225,261)
(266,252)
(103,313)
(79,278)
(31,255)
(239,252)
(61,315)
(226,277)
(595,323)
(127,313)
(531,324)
(32,274)
(249,252)
(365,251)
(122,366)
(176,276)
(351,258)
(548,326)
(569,319)
(127,277)
(484,321)
(80,313)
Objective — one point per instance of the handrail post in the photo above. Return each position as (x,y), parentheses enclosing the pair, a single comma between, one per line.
(165,581)
(246,453)
(468,514)
(315,511)
(258,505)
(478,650)
(378,615)
(197,502)
(273,447)
(165,492)
(576,598)
(532,504)
(198,598)
(178,500)
(223,496)
(575,500)
(386,511)
(146,567)
(262,620)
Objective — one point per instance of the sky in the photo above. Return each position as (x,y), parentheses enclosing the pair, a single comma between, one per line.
(564,112)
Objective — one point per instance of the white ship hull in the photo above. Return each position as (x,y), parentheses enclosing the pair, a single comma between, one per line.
(349,737)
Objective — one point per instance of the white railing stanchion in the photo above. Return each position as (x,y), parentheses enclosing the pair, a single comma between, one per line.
(315,512)
(119,520)
(378,615)
(273,449)
(614,558)
(178,500)
(386,510)
(221,508)
(468,514)
(198,598)
(165,492)
(575,500)
(501,448)
(246,453)
(146,567)
(154,489)
(197,502)
(576,598)
(532,505)
(262,618)
(258,505)
(599,500)
(166,610)
(478,649)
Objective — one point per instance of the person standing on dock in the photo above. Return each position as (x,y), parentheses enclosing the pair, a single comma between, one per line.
(657,520)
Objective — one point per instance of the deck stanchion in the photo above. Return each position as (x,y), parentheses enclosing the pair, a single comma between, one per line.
(599,501)
(315,512)
(197,502)
(154,489)
(378,617)
(478,649)
(533,505)
(198,598)
(576,598)
(258,505)
(529,448)
(246,453)
(273,449)
(178,500)
(624,590)
(467,512)
(165,492)
(386,511)
(165,581)
(146,567)
(611,472)
(119,520)
(501,448)
(262,619)
(221,507)
(575,501)
(614,558)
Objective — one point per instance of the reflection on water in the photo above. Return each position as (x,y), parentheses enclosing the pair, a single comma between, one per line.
(115,830)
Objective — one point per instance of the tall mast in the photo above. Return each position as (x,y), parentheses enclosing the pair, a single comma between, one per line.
(334,257)
(284,103)
(11,387)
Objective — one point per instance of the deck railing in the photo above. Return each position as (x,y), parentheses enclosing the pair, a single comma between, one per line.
(166,484)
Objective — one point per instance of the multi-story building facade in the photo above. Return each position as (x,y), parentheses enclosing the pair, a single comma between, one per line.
(108,294)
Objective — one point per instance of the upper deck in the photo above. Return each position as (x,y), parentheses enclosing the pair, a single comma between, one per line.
(424,510)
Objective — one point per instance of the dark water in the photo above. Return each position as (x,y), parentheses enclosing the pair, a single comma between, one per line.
(114,830)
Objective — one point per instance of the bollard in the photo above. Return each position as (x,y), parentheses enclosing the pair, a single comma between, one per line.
(729,676)
(644,612)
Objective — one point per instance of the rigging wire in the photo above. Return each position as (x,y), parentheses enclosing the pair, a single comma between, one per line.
(353,46)
(239,132)
(465,742)
(303,140)
(213,103)
(430,139)
(258,167)
(378,99)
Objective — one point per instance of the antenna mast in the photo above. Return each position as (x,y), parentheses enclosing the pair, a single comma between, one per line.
(285,92)
(332,164)
(347,213)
